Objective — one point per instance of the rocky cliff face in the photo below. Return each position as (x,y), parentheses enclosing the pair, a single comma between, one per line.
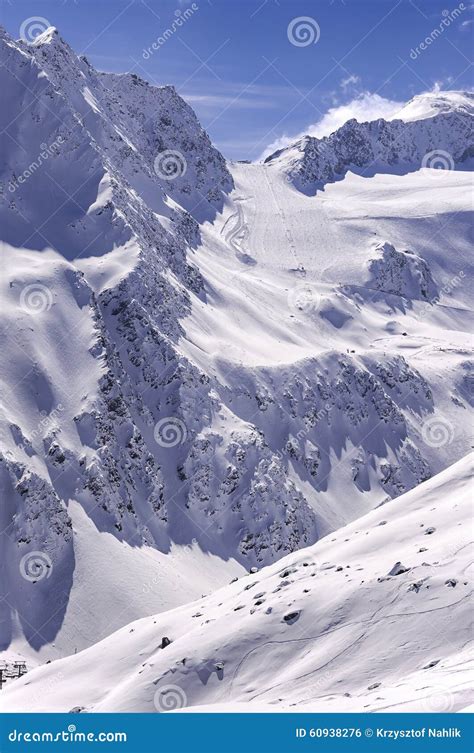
(443,140)
(107,183)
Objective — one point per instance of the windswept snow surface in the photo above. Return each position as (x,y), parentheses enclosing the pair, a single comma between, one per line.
(433,103)
(377,617)
(210,366)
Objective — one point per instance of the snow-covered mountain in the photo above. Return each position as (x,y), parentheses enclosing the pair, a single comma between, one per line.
(434,103)
(376,617)
(208,366)
(431,131)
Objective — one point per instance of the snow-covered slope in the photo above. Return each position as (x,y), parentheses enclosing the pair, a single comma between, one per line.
(206,368)
(441,137)
(83,209)
(434,103)
(376,617)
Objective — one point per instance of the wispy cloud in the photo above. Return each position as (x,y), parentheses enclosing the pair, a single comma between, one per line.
(228,96)
(349,81)
(215,101)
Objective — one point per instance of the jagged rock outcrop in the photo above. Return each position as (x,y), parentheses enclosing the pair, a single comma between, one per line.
(402,273)
(440,141)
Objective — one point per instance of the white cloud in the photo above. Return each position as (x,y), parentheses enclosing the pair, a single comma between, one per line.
(364,107)
(213,101)
(350,81)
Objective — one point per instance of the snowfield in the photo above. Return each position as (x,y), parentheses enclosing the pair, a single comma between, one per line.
(210,367)
(377,617)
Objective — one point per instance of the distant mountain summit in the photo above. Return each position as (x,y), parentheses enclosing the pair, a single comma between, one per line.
(432,130)
(437,103)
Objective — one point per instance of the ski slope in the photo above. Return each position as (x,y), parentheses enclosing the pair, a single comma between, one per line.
(291,241)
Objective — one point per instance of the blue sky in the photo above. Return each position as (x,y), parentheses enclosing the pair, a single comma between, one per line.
(237,63)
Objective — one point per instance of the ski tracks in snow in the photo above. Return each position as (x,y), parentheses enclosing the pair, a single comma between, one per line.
(238,234)
(283,220)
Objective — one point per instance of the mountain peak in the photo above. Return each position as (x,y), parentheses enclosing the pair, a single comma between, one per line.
(49,36)
(430,104)
(428,123)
